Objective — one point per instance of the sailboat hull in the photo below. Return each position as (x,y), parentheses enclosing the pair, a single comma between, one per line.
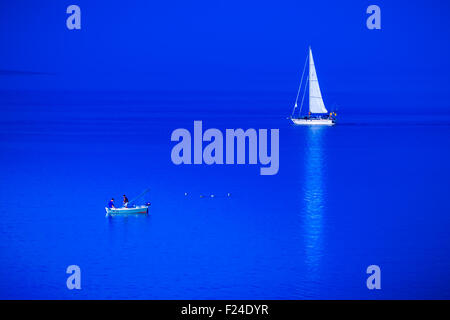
(313,122)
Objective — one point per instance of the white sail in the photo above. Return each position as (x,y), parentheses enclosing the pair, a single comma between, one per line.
(316,104)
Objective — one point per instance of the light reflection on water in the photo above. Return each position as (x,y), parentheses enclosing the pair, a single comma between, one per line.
(314,200)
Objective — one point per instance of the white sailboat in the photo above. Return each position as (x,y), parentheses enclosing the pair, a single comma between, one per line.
(317,113)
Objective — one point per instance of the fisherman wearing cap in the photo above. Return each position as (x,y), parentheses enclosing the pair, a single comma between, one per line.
(111,204)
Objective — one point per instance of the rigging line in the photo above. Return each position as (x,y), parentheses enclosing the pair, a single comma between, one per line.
(300,86)
(301,105)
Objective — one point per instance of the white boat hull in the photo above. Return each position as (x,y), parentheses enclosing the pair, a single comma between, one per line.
(313,122)
(134,210)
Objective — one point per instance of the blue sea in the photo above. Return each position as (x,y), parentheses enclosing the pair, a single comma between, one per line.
(372,190)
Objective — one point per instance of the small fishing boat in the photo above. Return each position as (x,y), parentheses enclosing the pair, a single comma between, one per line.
(317,113)
(134,210)
(131,207)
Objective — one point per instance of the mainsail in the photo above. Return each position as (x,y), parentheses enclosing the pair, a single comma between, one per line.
(316,104)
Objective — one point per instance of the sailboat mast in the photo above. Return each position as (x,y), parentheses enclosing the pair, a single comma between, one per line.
(316,104)
(309,77)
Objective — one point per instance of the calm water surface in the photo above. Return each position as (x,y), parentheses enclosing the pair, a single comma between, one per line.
(370,190)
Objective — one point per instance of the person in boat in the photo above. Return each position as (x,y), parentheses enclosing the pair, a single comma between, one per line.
(111,204)
(125,201)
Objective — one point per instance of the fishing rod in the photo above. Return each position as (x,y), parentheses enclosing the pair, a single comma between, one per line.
(139,196)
